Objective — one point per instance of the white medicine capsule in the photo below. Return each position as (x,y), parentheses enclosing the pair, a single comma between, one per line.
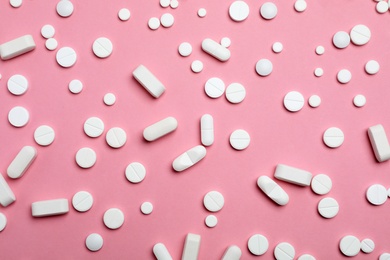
(161,252)
(159,129)
(232,253)
(272,190)
(215,49)
(207,130)
(21,162)
(189,158)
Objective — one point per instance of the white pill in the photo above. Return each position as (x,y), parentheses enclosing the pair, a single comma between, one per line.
(344,76)
(359,100)
(148,81)
(376,194)
(211,221)
(321,184)
(239,139)
(264,67)
(75,86)
(372,67)
(235,93)
(185,49)
(258,244)
(341,39)
(328,207)
(82,201)
(215,49)
(146,208)
(191,247)
(3,221)
(135,172)
(268,10)
(21,162)
(367,245)
(47,31)
(124,14)
(160,129)
(277,47)
(292,175)
(360,34)
(17,84)
(85,157)
(116,137)
(384,256)
(102,47)
(174,4)
(165,3)
(207,130)
(51,44)
(306,257)
(293,101)
(94,242)
(349,245)
(318,72)
(379,142)
(320,50)
(232,253)
(66,57)
(154,23)
(6,195)
(113,218)
(226,42)
(382,7)
(189,158)
(109,99)
(284,251)
(44,135)
(214,87)
(197,66)
(213,201)
(17,47)
(161,252)
(94,127)
(64,8)
(47,208)
(333,137)
(15,3)
(18,116)
(388,192)
(202,12)
(273,190)
(314,101)
(239,11)
(167,20)
(300,5)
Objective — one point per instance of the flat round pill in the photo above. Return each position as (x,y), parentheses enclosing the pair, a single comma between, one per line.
(113,218)
(93,127)
(376,194)
(382,7)
(318,72)
(154,23)
(82,201)
(277,47)
(167,20)
(214,87)
(314,101)
(109,99)
(202,12)
(47,31)
(349,245)
(165,3)
(94,242)
(328,207)
(213,201)
(268,10)
(344,76)
(239,11)
(235,93)
(341,39)
(372,67)
(102,47)
(258,244)
(185,49)
(18,116)
(333,137)
(85,157)
(17,85)
(321,184)
(135,172)
(293,101)
(116,137)
(300,5)
(124,14)
(197,66)
(3,221)
(264,67)
(174,4)
(360,34)
(146,208)
(367,245)
(211,221)
(64,8)
(240,139)
(306,257)
(284,251)
(320,50)
(384,256)
(15,3)
(225,42)
(66,57)
(51,44)
(359,100)
(44,135)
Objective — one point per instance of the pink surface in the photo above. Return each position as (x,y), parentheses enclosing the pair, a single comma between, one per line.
(277,136)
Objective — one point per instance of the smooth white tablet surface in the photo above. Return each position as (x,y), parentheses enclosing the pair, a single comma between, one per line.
(116,137)
(377,194)
(135,172)
(109,99)
(21,162)
(384,256)
(66,57)
(75,86)
(226,42)
(47,31)
(185,49)
(272,190)
(211,221)
(328,207)
(147,80)
(277,47)
(264,67)
(321,184)
(268,10)
(318,72)
(314,101)
(174,4)
(379,142)
(17,84)
(6,195)
(82,201)
(360,34)
(113,218)
(293,101)
(167,20)
(51,44)
(320,50)
(207,129)
(367,245)
(15,3)
(160,129)
(235,93)
(93,127)
(154,23)
(3,221)
(94,241)
(64,8)
(239,11)
(232,253)
(349,245)
(382,7)
(372,67)
(215,49)
(124,14)
(47,208)
(239,139)
(284,251)
(333,137)
(202,12)
(197,66)
(44,135)
(359,100)
(306,257)
(300,5)
(292,175)
(213,201)
(102,47)
(344,76)
(341,39)
(161,252)
(85,157)
(18,116)
(146,208)
(258,244)
(189,158)
(165,3)
(214,87)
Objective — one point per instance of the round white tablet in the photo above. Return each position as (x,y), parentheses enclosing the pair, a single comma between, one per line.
(85,157)
(185,49)
(293,101)
(165,3)
(344,76)
(367,245)
(113,218)
(116,137)
(258,244)
(359,100)
(197,66)
(75,86)
(102,47)
(18,116)
(213,201)
(65,8)
(300,5)
(333,137)
(320,50)
(109,99)
(239,11)
(235,93)
(167,20)
(328,207)
(154,23)
(264,67)
(17,84)
(225,42)
(382,7)
(3,221)
(146,208)
(240,139)
(277,47)
(372,67)
(360,34)
(135,172)
(51,44)
(174,4)
(202,12)
(321,184)
(306,257)
(376,194)
(384,256)
(284,251)
(124,14)
(82,201)
(314,101)
(94,242)
(66,57)
(211,221)
(341,39)
(349,245)
(268,10)
(214,87)
(47,31)
(94,127)
(44,135)
(15,3)
(318,72)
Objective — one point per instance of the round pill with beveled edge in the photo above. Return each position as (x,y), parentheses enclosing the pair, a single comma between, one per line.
(116,137)
(85,157)
(321,184)
(44,135)
(258,244)
(376,194)
(94,127)
(293,101)
(235,93)
(211,221)
(18,116)
(94,241)
(135,172)
(213,201)
(214,87)
(349,245)
(328,207)
(17,84)
(367,245)
(102,47)
(113,218)
(333,137)
(82,201)
(240,139)
(284,251)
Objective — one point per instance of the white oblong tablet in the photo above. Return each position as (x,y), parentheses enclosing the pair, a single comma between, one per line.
(94,242)
(359,100)
(113,218)
(154,23)
(341,39)
(51,44)
(264,67)
(116,137)
(372,67)
(293,101)
(93,127)
(379,142)
(376,194)
(124,14)
(18,116)
(213,201)
(344,76)
(321,184)
(211,221)
(277,47)
(109,99)
(284,251)
(258,244)
(314,101)
(232,253)
(3,221)
(207,130)
(226,42)
(44,135)
(47,208)
(47,31)
(135,172)
(189,158)
(328,207)
(75,86)
(300,5)
(349,245)
(102,47)
(214,87)
(360,34)
(167,20)
(6,195)
(197,66)
(148,81)
(292,175)
(146,208)
(367,245)
(320,50)
(235,93)
(21,162)
(17,85)
(185,49)
(202,12)
(239,11)
(66,57)
(382,7)
(215,49)
(333,137)
(272,190)
(16,3)
(160,129)
(64,8)
(306,257)
(82,201)
(161,252)
(85,157)
(318,72)
(268,10)
(239,139)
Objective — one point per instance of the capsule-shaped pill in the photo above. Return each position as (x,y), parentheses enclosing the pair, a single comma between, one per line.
(232,253)
(215,49)
(189,158)
(161,252)
(21,162)
(207,130)
(159,129)
(273,190)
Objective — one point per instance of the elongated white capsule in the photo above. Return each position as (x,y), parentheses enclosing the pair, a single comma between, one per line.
(215,49)
(159,129)
(189,158)
(207,130)
(21,162)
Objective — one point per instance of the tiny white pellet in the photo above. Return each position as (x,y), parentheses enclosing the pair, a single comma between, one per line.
(318,72)
(66,57)
(64,8)
(47,31)
(264,67)
(124,14)
(293,101)
(300,5)
(239,11)
(102,47)
(82,201)
(333,137)
(185,49)
(113,218)
(16,3)
(341,39)
(328,207)
(154,23)
(51,44)
(75,86)
(211,221)
(94,241)
(225,42)
(167,20)
(268,10)
(135,172)
(202,12)
(314,101)
(17,85)
(197,66)
(109,99)
(321,184)
(359,100)
(213,201)
(320,50)
(239,139)
(376,194)
(174,4)
(258,244)
(360,34)
(44,135)
(277,47)
(116,137)
(165,3)
(382,7)
(93,127)
(344,76)
(235,93)
(284,251)
(384,256)
(85,157)
(367,245)
(349,245)
(372,67)
(146,208)
(306,257)
(18,116)
(214,87)
(3,221)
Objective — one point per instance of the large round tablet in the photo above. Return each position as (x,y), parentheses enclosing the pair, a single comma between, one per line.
(135,172)
(344,76)
(239,11)
(240,139)
(65,8)
(284,251)
(268,10)
(213,201)
(341,39)
(333,137)
(85,157)
(94,127)
(264,67)
(360,34)
(167,20)
(293,101)
(113,218)
(102,47)
(376,194)
(51,44)
(321,184)
(116,137)
(154,23)
(44,135)
(258,244)
(214,87)
(328,207)
(306,257)
(235,93)
(82,201)
(17,84)
(349,245)
(94,241)
(18,116)
(66,57)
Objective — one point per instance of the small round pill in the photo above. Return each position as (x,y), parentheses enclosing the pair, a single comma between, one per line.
(124,14)
(258,244)
(214,87)
(268,10)
(226,42)
(44,135)
(314,101)
(75,86)
(320,50)
(382,7)
(202,12)
(284,251)
(235,93)
(344,76)
(333,137)
(328,207)
(47,31)
(64,8)
(165,3)
(341,39)
(185,49)
(277,47)
(264,67)
(321,184)
(116,137)
(135,172)
(3,221)
(211,221)
(359,100)
(18,116)
(372,67)
(349,245)
(167,20)
(293,101)
(93,127)
(109,99)
(213,201)
(239,139)
(102,47)
(85,157)
(197,66)
(82,201)
(17,85)
(66,57)
(367,245)
(318,72)
(146,208)
(174,4)
(154,23)
(113,218)
(51,44)
(16,3)
(377,194)
(300,5)
(94,241)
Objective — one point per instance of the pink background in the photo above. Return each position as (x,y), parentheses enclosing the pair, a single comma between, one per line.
(277,136)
